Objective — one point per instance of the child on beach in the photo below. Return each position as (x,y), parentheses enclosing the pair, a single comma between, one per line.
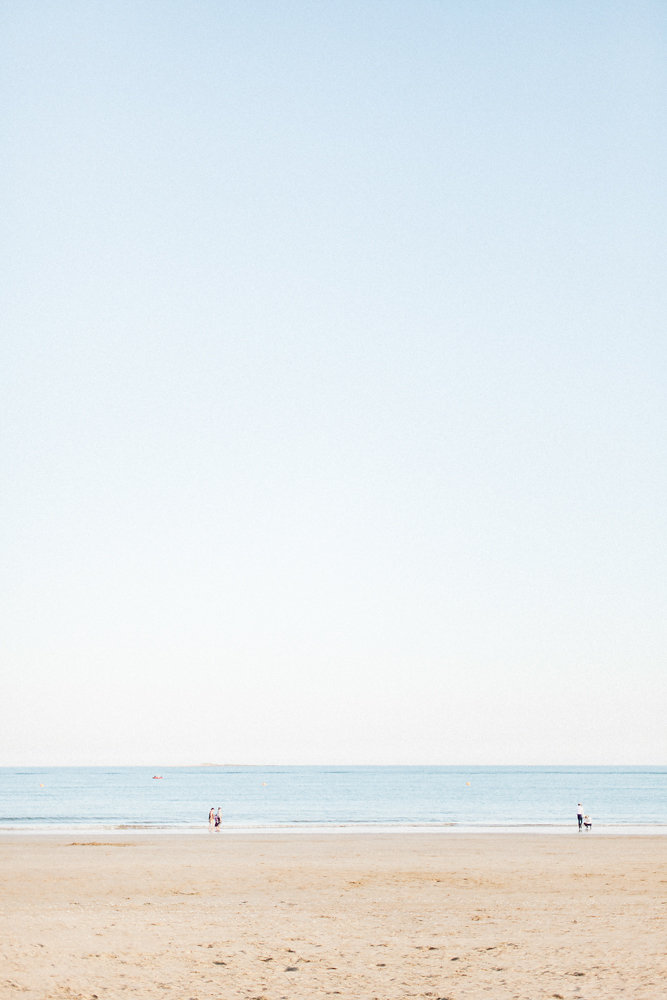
(588,823)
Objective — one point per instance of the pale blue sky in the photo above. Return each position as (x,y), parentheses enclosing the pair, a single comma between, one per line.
(334,399)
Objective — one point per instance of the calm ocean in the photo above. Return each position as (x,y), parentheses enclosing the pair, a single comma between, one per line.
(52,799)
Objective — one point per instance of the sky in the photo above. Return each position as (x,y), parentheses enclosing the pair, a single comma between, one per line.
(333,401)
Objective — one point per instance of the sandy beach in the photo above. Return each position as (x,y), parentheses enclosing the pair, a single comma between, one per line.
(290,917)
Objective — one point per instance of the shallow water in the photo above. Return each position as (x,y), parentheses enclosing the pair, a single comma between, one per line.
(620,799)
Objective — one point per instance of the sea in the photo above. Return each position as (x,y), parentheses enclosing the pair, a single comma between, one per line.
(256,799)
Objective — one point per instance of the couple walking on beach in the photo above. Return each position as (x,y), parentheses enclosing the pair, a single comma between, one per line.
(215,818)
(583,819)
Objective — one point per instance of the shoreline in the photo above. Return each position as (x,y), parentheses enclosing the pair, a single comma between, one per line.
(344,830)
(301,840)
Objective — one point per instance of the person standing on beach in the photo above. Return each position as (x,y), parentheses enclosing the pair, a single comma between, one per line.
(580,814)
(211,816)
(218,817)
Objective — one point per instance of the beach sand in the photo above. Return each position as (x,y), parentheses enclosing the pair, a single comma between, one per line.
(352,916)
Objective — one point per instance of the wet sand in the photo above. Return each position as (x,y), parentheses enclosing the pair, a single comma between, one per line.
(296,917)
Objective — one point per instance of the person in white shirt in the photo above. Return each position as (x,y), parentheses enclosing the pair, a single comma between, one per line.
(580,814)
